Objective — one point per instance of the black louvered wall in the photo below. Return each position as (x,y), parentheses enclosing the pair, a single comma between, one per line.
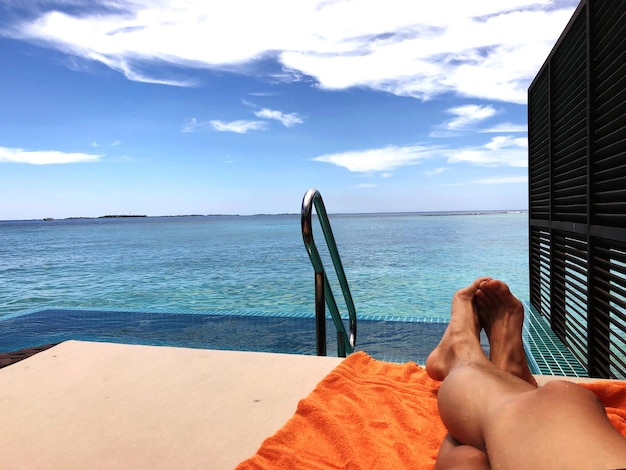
(577,187)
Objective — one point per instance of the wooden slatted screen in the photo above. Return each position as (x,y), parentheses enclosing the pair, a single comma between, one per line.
(577,187)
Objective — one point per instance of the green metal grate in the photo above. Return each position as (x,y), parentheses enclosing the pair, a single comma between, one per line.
(549,356)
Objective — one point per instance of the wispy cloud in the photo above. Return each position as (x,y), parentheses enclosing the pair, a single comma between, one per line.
(435,171)
(240,126)
(194,125)
(473,49)
(115,143)
(133,73)
(503,180)
(468,115)
(505,128)
(465,118)
(380,159)
(499,151)
(286,119)
(505,141)
(44,157)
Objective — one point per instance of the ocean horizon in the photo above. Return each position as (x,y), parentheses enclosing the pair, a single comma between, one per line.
(391,213)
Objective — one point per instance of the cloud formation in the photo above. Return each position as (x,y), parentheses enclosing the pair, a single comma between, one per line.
(499,151)
(465,118)
(194,125)
(286,119)
(505,127)
(435,171)
(468,115)
(408,48)
(503,180)
(380,159)
(44,157)
(240,126)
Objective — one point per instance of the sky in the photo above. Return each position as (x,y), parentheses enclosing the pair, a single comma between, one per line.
(173,107)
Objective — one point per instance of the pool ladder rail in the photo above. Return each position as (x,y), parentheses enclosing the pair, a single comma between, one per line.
(323,292)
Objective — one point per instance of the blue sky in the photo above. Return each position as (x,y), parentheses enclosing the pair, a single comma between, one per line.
(169,107)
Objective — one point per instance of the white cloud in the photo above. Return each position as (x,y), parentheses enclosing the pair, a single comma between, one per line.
(240,126)
(124,65)
(435,171)
(44,157)
(287,120)
(505,141)
(193,125)
(505,127)
(468,115)
(465,118)
(499,151)
(503,180)
(381,159)
(488,49)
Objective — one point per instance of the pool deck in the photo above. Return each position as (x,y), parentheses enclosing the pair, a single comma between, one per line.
(102,405)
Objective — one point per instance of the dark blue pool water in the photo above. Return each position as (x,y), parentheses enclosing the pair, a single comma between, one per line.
(394,340)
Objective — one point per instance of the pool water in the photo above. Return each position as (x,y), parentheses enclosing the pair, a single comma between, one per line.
(390,339)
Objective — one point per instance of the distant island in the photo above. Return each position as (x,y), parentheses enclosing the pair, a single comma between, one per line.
(128,216)
(121,216)
(337,214)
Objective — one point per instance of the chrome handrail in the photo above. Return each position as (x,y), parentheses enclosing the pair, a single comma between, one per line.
(323,292)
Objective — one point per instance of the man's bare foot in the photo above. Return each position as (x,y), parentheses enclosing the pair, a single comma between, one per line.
(502,317)
(461,340)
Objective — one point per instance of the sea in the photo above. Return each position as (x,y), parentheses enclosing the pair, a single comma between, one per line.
(405,265)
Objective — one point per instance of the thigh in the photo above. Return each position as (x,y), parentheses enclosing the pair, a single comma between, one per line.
(560,425)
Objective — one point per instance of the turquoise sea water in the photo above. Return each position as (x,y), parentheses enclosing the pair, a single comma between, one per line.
(396,264)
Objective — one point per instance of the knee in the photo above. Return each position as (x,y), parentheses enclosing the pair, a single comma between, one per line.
(568,392)
(564,401)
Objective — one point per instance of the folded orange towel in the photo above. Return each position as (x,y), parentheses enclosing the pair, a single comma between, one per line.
(365,414)
(369,414)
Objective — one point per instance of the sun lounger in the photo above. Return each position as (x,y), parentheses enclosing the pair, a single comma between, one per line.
(100,405)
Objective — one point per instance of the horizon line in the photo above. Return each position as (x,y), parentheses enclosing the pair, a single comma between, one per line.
(262,214)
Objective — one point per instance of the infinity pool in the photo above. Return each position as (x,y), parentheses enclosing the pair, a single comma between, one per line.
(386,338)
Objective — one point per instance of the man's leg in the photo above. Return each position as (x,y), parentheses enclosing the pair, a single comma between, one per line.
(452,453)
(518,425)
(502,317)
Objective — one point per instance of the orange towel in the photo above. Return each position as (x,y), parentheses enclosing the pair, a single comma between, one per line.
(613,397)
(370,414)
(365,414)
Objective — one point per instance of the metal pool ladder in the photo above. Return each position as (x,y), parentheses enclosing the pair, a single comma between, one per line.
(323,293)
